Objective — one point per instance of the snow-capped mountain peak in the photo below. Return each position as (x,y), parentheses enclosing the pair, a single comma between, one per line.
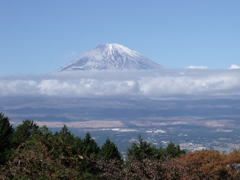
(111,57)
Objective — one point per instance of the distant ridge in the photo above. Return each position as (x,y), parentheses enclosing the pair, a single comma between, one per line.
(111,57)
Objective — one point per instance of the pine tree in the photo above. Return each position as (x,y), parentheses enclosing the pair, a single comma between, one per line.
(66,135)
(64,131)
(90,147)
(6,131)
(142,150)
(110,151)
(69,144)
(24,131)
(173,150)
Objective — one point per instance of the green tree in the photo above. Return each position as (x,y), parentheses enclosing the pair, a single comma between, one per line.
(64,131)
(6,131)
(23,131)
(142,150)
(110,151)
(69,143)
(173,150)
(90,147)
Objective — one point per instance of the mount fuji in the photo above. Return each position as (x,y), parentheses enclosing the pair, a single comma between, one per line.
(111,57)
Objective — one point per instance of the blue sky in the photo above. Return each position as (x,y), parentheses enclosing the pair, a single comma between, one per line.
(41,36)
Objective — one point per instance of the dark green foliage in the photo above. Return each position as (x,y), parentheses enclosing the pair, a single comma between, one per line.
(173,150)
(64,131)
(45,131)
(110,151)
(6,132)
(90,147)
(142,150)
(69,144)
(24,131)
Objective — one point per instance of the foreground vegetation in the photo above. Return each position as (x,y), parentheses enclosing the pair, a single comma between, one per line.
(33,152)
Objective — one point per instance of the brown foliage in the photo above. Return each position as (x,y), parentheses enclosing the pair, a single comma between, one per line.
(208,165)
(198,165)
(33,160)
(132,168)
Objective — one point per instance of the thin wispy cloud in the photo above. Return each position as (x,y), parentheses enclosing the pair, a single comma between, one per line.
(69,56)
(196,67)
(146,83)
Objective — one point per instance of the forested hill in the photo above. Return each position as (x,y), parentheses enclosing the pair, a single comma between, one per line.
(32,152)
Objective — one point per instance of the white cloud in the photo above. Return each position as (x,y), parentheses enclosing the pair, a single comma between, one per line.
(148,84)
(234,66)
(196,67)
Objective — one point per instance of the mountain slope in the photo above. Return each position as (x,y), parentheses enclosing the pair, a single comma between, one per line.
(111,57)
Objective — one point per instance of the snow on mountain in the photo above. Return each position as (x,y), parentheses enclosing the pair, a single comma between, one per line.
(111,57)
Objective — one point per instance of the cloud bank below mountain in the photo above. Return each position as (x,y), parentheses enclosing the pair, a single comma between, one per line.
(182,83)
